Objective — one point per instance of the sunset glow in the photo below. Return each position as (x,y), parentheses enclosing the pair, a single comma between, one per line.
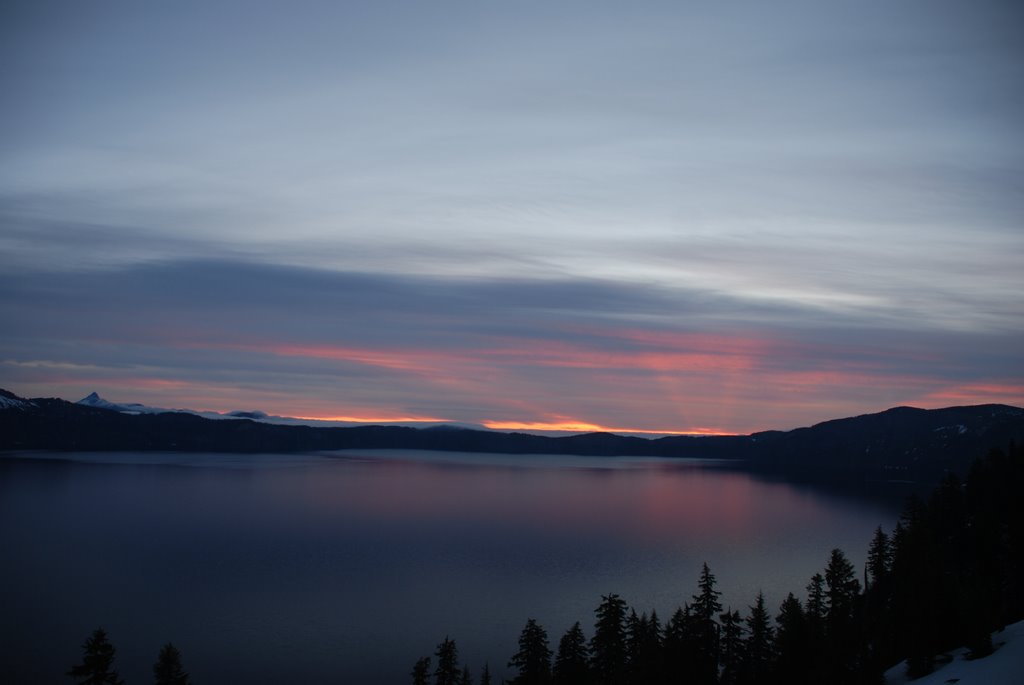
(580,427)
(376,419)
(572,218)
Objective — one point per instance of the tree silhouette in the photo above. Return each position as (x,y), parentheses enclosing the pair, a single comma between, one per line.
(571,662)
(706,608)
(842,589)
(841,597)
(816,608)
(168,670)
(608,646)
(677,646)
(533,660)
(485,675)
(447,671)
(644,662)
(97,662)
(879,562)
(421,672)
(758,649)
(731,643)
(791,643)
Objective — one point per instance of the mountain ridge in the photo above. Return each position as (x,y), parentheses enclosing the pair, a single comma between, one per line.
(900,443)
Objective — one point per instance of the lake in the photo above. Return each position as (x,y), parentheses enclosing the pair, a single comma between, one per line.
(348,566)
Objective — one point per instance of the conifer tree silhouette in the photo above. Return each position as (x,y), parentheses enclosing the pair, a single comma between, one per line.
(97,662)
(168,670)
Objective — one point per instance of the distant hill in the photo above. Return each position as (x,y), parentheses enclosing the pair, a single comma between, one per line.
(903,443)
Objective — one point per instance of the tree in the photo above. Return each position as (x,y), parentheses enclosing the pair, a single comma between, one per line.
(879,558)
(466,678)
(533,660)
(608,646)
(841,594)
(421,672)
(816,659)
(758,648)
(485,675)
(706,608)
(731,647)
(792,649)
(816,603)
(571,661)
(168,670)
(447,671)
(843,589)
(677,645)
(97,662)
(644,663)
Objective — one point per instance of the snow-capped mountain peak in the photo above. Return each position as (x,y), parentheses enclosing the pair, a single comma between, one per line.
(94,400)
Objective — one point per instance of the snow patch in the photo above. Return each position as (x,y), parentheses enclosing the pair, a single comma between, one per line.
(12,403)
(960,429)
(1005,666)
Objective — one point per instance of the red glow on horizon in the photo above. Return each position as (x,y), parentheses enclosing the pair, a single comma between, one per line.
(582,427)
(364,419)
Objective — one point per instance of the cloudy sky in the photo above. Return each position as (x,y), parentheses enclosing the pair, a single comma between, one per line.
(664,216)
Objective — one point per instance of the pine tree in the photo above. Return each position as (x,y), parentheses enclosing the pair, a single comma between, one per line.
(841,595)
(533,660)
(706,608)
(467,677)
(843,589)
(816,608)
(168,670)
(485,675)
(644,648)
(421,672)
(652,652)
(571,662)
(608,646)
(97,662)
(447,671)
(879,558)
(759,647)
(676,646)
(731,644)
(792,648)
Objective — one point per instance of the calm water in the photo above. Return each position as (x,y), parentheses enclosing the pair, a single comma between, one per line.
(347,567)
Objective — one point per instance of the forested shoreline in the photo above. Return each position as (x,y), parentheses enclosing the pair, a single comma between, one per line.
(901,443)
(947,575)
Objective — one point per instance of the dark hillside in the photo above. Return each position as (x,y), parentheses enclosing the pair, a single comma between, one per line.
(898,444)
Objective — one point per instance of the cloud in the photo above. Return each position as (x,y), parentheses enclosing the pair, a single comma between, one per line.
(524,212)
(600,352)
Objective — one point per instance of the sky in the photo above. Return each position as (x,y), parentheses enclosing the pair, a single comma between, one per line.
(660,216)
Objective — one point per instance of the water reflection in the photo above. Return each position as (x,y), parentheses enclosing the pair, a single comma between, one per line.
(314,568)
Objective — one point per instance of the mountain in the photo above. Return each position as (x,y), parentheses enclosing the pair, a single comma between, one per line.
(8,400)
(903,443)
(94,400)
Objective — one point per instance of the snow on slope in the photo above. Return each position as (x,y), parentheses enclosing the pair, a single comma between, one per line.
(94,400)
(14,403)
(1005,666)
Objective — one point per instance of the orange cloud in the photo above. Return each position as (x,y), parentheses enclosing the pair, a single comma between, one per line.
(583,427)
(975,393)
(376,419)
